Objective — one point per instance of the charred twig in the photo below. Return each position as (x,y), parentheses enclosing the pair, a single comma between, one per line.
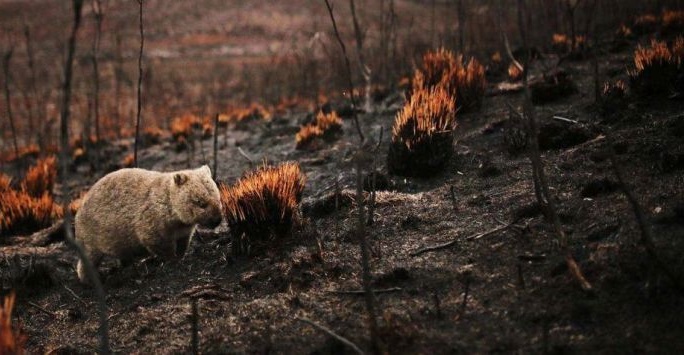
(247,157)
(362,292)
(365,70)
(371,203)
(98,11)
(453,198)
(465,296)
(361,158)
(350,83)
(45,236)
(214,171)
(365,251)
(469,238)
(327,330)
(521,278)
(646,236)
(438,305)
(51,314)
(542,191)
(64,156)
(6,58)
(74,294)
(532,257)
(140,79)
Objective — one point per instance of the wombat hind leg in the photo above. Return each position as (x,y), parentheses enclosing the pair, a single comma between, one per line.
(80,268)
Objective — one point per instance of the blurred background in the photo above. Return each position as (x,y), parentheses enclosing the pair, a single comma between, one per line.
(207,56)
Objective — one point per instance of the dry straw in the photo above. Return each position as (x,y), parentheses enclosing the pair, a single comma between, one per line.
(422,135)
(327,127)
(264,202)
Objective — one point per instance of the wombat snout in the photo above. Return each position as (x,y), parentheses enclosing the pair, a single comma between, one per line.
(213,222)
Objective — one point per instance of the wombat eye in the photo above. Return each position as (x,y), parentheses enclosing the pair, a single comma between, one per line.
(201,203)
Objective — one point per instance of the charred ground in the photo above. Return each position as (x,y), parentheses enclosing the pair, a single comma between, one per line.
(505,292)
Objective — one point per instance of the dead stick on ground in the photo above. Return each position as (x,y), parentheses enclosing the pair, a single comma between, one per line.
(361,292)
(470,238)
(249,160)
(51,314)
(75,295)
(646,236)
(340,338)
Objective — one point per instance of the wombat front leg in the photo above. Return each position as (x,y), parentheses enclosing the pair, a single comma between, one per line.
(160,247)
(182,245)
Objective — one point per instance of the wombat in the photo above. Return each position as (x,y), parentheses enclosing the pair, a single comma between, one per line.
(133,211)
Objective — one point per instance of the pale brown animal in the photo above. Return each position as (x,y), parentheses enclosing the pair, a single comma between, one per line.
(133,211)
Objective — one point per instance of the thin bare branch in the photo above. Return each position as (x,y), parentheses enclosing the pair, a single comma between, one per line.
(140,78)
(64,156)
(327,330)
(469,238)
(6,58)
(542,191)
(646,235)
(98,11)
(247,157)
(350,83)
(43,310)
(215,170)
(363,292)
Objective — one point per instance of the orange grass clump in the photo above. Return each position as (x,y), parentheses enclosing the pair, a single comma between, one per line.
(182,126)
(326,126)
(645,24)
(76,203)
(40,178)
(207,130)
(308,137)
(562,43)
(151,136)
(465,83)
(657,68)
(673,22)
(514,73)
(21,213)
(613,97)
(242,117)
(31,150)
(11,342)
(263,204)
(623,32)
(127,161)
(422,135)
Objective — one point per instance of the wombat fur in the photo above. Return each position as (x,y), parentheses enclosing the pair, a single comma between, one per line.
(132,211)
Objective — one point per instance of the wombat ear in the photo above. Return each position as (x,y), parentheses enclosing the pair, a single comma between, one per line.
(180,179)
(206,168)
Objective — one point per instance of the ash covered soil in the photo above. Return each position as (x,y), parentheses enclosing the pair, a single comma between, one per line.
(505,292)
